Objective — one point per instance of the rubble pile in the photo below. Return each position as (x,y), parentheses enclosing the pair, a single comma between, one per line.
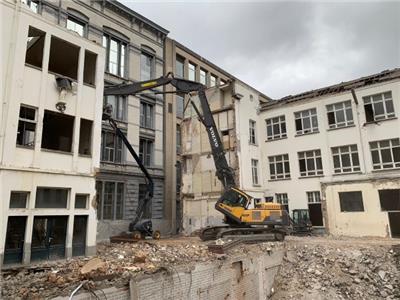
(339,271)
(114,265)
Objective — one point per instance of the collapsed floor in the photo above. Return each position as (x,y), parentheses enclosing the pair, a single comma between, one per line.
(339,268)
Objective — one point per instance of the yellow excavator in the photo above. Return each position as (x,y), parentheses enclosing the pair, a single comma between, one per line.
(264,218)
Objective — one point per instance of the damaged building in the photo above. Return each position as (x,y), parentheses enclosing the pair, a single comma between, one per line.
(51,121)
(134,48)
(338,149)
(191,171)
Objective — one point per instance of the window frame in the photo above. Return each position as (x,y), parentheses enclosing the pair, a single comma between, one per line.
(120,108)
(280,121)
(254,172)
(275,160)
(341,202)
(122,70)
(178,139)
(213,80)
(117,141)
(392,164)
(114,200)
(143,151)
(311,116)
(283,199)
(252,132)
(312,197)
(302,155)
(77,21)
(190,71)
(203,75)
(370,102)
(338,152)
(27,195)
(152,57)
(347,110)
(147,113)
(35,122)
(37,9)
(181,61)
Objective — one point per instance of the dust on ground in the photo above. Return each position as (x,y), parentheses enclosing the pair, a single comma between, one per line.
(339,268)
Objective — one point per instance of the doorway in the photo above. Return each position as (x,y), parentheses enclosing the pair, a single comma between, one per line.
(14,247)
(315,214)
(48,237)
(394,223)
(79,236)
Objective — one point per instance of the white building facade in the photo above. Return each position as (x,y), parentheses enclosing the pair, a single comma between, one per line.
(48,157)
(336,152)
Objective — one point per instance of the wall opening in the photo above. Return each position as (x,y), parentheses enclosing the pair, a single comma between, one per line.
(51,198)
(57,131)
(85,137)
(89,70)
(79,236)
(34,47)
(18,199)
(14,247)
(390,199)
(64,58)
(81,201)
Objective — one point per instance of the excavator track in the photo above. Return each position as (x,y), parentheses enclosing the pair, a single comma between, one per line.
(217,232)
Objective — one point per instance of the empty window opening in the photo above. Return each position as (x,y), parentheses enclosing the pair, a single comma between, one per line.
(81,200)
(34,47)
(85,137)
(76,25)
(51,197)
(14,246)
(89,70)
(18,199)
(26,127)
(33,5)
(351,201)
(79,236)
(64,58)
(57,131)
(390,199)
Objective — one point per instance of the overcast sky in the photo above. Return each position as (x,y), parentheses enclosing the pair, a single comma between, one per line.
(284,48)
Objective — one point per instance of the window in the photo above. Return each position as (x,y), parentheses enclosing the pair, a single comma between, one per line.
(385,154)
(203,77)
(147,212)
(146,151)
(180,104)
(111,195)
(26,127)
(57,131)
(306,121)
(345,159)
(85,137)
(51,197)
(213,80)
(89,69)
(146,66)
(33,5)
(283,200)
(276,128)
(390,199)
(64,58)
(34,47)
(146,115)
(313,197)
(192,72)
(279,167)
(81,200)
(18,199)
(254,171)
(180,67)
(178,139)
(115,55)
(119,106)
(252,132)
(351,201)
(310,163)
(76,25)
(378,107)
(340,114)
(111,148)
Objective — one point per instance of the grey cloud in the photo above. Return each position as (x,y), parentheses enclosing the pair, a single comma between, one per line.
(284,48)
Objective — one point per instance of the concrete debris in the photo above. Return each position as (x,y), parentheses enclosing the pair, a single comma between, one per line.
(338,269)
(92,265)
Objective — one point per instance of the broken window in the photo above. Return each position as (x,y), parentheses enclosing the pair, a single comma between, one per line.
(18,199)
(51,197)
(64,58)
(340,114)
(81,200)
(351,201)
(111,195)
(89,70)
(146,115)
(146,151)
(57,131)
(379,107)
(111,147)
(147,212)
(283,200)
(85,137)
(390,199)
(26,126)
(76,25)
(35,46)
(306,121)
(14,246)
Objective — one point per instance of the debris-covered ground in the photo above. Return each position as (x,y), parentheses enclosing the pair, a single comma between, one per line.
(339,268)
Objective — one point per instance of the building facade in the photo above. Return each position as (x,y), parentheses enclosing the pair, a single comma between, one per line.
(134,49)
(51,99)
(336,152)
